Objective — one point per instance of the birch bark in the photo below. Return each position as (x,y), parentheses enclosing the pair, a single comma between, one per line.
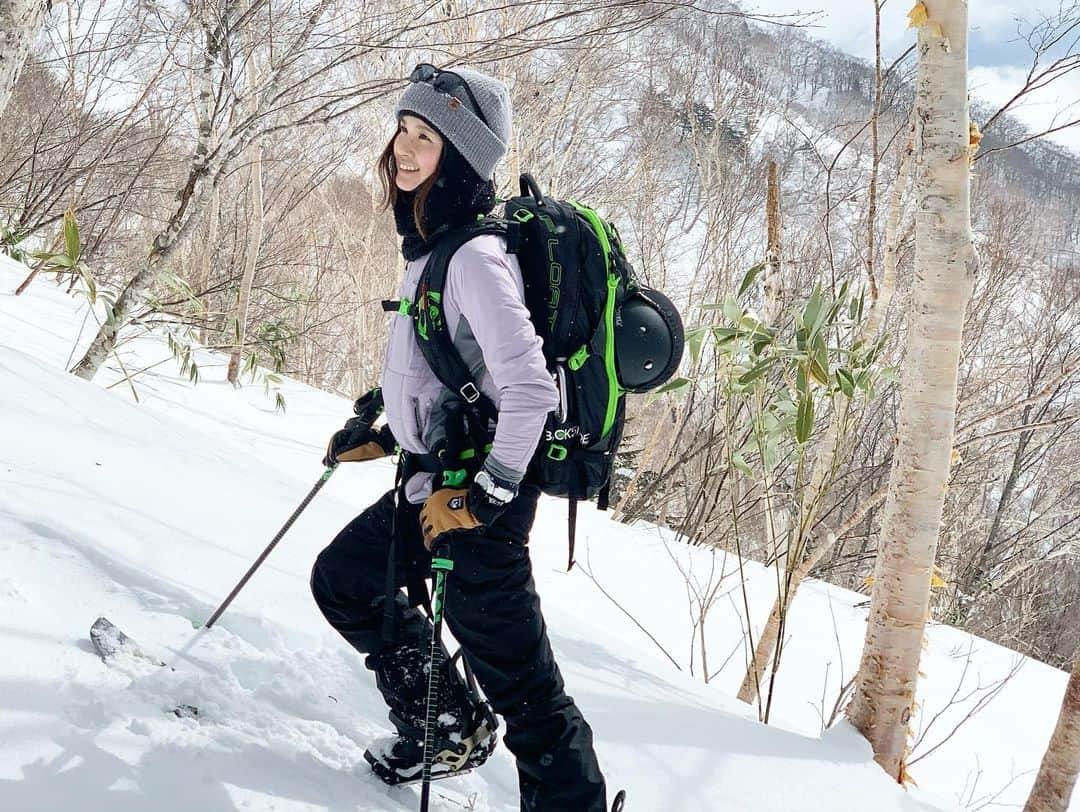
(20,23)
(945,264)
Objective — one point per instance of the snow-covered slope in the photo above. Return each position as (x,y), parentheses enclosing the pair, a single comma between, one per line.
(149,512)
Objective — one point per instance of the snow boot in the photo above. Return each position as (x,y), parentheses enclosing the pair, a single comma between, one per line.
(465,735)
(400,759)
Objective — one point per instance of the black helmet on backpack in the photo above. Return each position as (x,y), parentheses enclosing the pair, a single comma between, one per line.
(648,340)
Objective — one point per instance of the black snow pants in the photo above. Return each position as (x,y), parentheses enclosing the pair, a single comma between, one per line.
(494,613)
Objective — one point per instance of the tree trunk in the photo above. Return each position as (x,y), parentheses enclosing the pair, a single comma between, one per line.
(192,199)
(254,240)
(20,23)
(945,263)
(206,257)
(251,259)
(1057,773)
(772,284)
(766,644)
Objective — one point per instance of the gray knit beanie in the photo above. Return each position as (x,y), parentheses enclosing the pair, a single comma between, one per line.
(482,146)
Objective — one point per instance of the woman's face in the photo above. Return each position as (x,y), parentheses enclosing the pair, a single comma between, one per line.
(416,152)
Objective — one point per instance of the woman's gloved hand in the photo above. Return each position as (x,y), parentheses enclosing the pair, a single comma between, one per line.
(451,509)
(358,442)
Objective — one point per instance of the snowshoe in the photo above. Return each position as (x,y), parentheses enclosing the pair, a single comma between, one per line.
(400,759)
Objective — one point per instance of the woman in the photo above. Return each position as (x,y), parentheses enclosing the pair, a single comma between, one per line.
(453,128)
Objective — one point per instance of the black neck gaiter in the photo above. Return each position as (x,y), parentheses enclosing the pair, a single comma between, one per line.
(459,195)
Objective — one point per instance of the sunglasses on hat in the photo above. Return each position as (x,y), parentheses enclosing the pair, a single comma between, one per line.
(447,82)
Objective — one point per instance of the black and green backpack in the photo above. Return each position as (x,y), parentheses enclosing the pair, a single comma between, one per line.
(603,334)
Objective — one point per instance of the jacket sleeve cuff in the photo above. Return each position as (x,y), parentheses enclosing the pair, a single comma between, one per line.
(499,471)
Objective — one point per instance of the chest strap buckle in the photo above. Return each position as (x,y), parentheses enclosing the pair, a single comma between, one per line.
(470,392)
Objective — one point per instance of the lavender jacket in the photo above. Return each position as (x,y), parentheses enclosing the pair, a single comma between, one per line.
(484,307)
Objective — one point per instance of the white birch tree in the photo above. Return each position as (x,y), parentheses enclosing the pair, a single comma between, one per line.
(945,265)
(20,23)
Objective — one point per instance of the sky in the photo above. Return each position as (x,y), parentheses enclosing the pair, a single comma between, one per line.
(998,59)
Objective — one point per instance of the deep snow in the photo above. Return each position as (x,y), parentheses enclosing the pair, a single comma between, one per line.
(148,513)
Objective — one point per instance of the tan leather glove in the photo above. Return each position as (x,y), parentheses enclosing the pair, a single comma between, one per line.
(452,509)
(358,442)
(446,510)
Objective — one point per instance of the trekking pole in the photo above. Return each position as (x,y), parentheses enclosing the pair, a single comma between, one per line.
(258,561)
(183,652)
(440,565)
(367,408)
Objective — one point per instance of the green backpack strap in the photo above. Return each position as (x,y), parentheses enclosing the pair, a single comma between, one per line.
(429,324)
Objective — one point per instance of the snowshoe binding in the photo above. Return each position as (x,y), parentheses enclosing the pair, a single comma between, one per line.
(400,759)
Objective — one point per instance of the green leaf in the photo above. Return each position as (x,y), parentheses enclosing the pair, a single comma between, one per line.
(760,343)
(891,374)
(770,457)
(88,280)
(842,295)
(786,408)
(695,338)
(812,310)
(71,237)
(749,278)
(845,381)
(279,403)
(740,464)
(52,259)
(725,334)
(756,371)
(750,324)
(804,421)
(879,345)
(819,360)
(732,310)
(772,424)
(801,336)
(834,311)
(672,386)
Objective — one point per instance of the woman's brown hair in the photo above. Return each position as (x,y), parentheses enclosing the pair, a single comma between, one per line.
(387,170)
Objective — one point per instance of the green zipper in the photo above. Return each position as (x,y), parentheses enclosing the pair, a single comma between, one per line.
(609,317)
